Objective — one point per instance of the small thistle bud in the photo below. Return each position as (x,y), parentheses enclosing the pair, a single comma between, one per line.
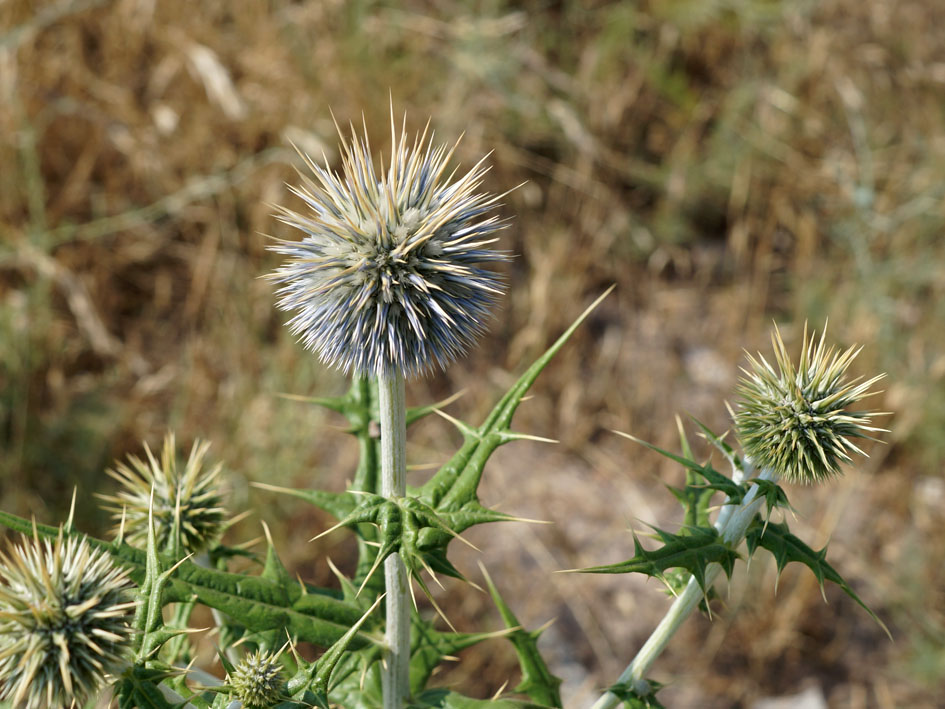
(193,494)
(257,680)
(65,610)
(388,277)
(797,422)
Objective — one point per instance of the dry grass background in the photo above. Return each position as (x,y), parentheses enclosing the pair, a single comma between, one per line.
(726,163)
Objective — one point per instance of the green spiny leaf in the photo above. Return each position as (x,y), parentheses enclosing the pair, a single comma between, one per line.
(415,413)
(695,503)
(359,406)
(429,647)
(785,548)
(337,504)
(456,482)
(473,513)
(632,700)
(692,551)
(326,663)
(773,494)
(537,680)
(720,444)
(361,410)
(177,647)
(695,497)
(713,479)
(137,688)
(273,568)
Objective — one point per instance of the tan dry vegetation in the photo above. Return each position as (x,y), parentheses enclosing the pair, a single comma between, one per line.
(724,163)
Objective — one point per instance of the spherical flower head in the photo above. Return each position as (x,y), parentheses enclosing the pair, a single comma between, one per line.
(797,422)
(257,680)
(65,610)
(188,500)
(389,278)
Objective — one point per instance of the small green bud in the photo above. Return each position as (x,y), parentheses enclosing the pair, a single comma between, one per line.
(257,680)
(193,493)
(797,422)
(65,610)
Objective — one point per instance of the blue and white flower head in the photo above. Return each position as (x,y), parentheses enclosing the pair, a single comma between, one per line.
(390,276)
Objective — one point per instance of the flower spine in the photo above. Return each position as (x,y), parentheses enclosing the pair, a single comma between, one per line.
(388,277)
(797,422)
(65,610)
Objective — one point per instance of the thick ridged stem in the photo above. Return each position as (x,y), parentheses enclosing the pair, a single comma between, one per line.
(393,415)
(732,524)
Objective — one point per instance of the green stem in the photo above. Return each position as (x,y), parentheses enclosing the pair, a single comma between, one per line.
(732,524)
(393,415)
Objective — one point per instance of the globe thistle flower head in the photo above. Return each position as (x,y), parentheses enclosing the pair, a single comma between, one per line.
(797,421)
(188,500)
(257,680)
(65,610)
(391,275)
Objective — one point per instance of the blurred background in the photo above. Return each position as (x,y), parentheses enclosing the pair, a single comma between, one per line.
(728,164)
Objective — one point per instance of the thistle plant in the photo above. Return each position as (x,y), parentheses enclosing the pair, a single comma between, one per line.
(65,612)
(792,422)
(388,282)
(391,279)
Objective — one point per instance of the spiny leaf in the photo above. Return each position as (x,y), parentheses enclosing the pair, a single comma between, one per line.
(415,413)
(785,548)
(632,700)
(332,403)
(537,680)
(455,483)
(719,443)
(363,414)
(695,497)
(137,688)
(273,568)
(473,513)
(338,504)
(714,479)
(773,494)
(692,551)
(430,647)
(327,662)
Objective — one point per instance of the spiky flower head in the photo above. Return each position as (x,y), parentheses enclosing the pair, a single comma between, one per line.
(389,278)
(187,502)
(65,610)
(798,421)
(257,680)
